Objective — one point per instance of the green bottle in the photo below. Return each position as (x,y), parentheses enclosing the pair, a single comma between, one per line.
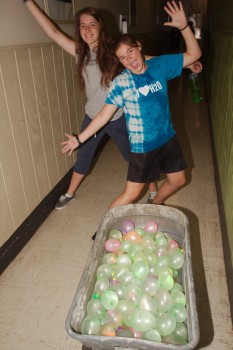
(195,89)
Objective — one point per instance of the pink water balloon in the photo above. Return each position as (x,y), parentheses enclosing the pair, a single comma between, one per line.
(112,245)
(151,227)
(172,244)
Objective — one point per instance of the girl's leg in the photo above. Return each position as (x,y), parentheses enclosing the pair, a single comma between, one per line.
(153,190)
(130,194)
(118,132)
(153,187)
(169,186)
(75,181)
(82,164)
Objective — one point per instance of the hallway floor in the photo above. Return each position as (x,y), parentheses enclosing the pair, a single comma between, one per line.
(37,289)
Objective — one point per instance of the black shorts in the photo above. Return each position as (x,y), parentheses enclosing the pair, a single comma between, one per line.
(147,167)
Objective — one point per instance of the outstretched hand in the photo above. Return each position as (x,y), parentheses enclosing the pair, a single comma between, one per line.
(196,67)
(70,144)
(177,15)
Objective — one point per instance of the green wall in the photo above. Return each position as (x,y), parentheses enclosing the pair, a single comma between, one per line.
(219,74)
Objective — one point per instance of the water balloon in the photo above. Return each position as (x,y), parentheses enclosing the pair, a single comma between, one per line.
(95,309)
(133,237)
(151,227)
(163,299)
(116,234)
(165,281)
(112,245)
(127,226)
(90,326)
(165,324)
(109,299)
(176,259)
(140,269)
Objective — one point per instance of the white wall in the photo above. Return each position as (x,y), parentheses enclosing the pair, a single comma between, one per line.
(17,27)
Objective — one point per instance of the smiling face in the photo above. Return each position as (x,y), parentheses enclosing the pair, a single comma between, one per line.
(131,57)
(89,30)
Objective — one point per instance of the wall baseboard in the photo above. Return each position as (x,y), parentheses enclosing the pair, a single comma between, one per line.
(223,222)
(26,230)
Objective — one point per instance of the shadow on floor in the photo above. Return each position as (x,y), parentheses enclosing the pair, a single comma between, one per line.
(202,299)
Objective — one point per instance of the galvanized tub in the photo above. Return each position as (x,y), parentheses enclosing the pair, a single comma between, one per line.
(169,220)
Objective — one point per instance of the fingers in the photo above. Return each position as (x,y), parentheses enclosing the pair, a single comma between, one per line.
(180,5)
(172,6)
(68,135)
(66,149)
(172,9)
(68,145)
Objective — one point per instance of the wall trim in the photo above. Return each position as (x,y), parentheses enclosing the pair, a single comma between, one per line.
(10,249)
(222,216)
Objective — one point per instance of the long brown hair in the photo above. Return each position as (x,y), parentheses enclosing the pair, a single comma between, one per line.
(105,56)
(128,40)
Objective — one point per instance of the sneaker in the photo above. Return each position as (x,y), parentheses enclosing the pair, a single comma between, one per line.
(151,197)
(63,202)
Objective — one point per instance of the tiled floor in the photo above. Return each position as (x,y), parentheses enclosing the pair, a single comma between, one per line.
(37,289)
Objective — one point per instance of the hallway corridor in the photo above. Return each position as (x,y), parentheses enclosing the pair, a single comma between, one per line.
(37,289)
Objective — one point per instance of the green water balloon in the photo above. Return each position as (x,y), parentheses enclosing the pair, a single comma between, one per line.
(146,302)
(150,285)
(95,309)
(176,259)
(140,230)
(163,299)
(179,311)
(124,306)
(181,330)
(114,317)
(140,269)
(110,258)
(165,324)
(165,281)
(152,335)
(141,320)
(104,270)
(116,234)
(119,289)
(178,297)
(90,326)
(101,285)
(124,260)
(109,299)
(174,339)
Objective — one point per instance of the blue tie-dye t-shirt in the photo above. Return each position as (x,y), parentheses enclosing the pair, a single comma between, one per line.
(145,101)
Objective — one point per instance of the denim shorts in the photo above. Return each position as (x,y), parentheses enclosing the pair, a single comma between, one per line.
(147,167)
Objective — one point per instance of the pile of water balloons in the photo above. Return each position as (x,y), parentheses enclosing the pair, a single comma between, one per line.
(138,293)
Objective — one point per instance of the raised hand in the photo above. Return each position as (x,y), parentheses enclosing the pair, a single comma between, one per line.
(70,144)
(177,15)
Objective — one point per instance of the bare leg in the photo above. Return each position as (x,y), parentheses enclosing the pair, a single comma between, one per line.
(130,194)
(153,187)
(169,186)
(76,179)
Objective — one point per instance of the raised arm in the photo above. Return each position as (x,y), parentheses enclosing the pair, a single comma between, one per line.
(97,123)
(179,21)
(50,29)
